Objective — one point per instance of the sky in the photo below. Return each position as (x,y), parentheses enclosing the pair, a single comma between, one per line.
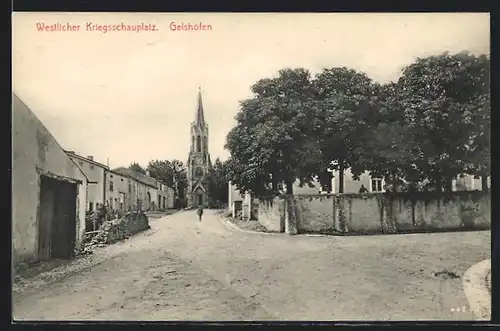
(128,96)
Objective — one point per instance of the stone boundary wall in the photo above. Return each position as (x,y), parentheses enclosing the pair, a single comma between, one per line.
(271,214)
(372,213)
(119,229)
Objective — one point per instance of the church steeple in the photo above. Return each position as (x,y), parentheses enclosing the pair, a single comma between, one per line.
(200,116)
(199,164)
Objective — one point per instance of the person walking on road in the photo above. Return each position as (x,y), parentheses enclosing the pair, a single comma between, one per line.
(200,212)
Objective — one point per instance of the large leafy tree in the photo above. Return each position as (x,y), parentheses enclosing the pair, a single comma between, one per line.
(172,173)
(344,104)
(388,149)
(272,142)
(218,182)
(446,107)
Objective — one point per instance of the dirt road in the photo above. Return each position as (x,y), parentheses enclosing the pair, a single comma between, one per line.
(183,269)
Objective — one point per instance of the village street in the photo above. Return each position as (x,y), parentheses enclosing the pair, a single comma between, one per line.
(183,269)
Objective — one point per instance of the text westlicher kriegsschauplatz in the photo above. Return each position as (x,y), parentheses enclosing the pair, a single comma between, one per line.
(120,27)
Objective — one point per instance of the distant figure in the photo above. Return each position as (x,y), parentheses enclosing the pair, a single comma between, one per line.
(200,212)
(363,189)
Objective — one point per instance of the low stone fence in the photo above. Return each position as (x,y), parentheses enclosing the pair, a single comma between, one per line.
(119,229)
(371,213)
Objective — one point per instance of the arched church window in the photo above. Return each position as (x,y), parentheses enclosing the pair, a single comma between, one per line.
(205,143)
(198,144)
(192,142)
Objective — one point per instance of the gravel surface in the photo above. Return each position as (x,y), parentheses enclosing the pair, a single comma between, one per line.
(186,269)
(250,225)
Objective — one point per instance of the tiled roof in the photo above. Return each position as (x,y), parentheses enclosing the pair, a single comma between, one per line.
(73,154)
(137,176)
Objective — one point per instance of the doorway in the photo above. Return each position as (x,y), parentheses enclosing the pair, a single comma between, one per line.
(57,219)
(200,199)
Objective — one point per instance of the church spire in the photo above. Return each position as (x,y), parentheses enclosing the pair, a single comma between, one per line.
(200,116)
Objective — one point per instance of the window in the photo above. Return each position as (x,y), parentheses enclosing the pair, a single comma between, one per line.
(198,144)
(111,186)
(91,206)
(91,167)
(377,185)
(80,163)
(122,179)
(129,187)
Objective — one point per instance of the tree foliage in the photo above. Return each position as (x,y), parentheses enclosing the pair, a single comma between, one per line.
(272,142)
(137,168)
(432,124)
(344,100)
(218,180)
(170,172)
(446,106)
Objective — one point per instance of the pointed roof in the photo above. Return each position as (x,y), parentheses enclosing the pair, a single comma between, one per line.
(200,116)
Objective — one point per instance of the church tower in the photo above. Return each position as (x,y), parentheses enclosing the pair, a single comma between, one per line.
(199,162)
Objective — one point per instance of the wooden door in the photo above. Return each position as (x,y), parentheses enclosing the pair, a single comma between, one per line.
(47,201)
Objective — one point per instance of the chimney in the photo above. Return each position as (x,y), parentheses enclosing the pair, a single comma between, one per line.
(90,157)
(70,152)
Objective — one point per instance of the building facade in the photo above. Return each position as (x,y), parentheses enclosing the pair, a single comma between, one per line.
(117,191)
(144,192)
(199,163)
(49,192)
(165,196)
(96,173)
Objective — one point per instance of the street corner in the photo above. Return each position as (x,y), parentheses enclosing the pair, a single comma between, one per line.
(476,288)
(231,226)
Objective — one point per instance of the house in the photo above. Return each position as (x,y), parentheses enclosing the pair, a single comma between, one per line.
(144,189)
(118,191)
(376,184)
(49,192)
(239,202)
(165,196)
(96,173)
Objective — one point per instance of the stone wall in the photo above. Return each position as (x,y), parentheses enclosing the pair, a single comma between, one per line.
(382,212)
(119,229)
(271,214)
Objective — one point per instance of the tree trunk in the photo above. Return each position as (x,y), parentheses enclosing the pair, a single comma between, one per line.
(438,182)
(394,181)
(449,184)
(341,177)
(289,186)
(484,183)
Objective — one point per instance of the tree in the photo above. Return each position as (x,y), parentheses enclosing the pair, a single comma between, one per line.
(446,106)
(137,168)
(218,182)
(272,142)
(172,173)
(344,102)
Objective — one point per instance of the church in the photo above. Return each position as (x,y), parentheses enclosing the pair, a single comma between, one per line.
(199,163)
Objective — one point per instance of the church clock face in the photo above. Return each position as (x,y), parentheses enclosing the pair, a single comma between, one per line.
(198,172)
(197,161)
